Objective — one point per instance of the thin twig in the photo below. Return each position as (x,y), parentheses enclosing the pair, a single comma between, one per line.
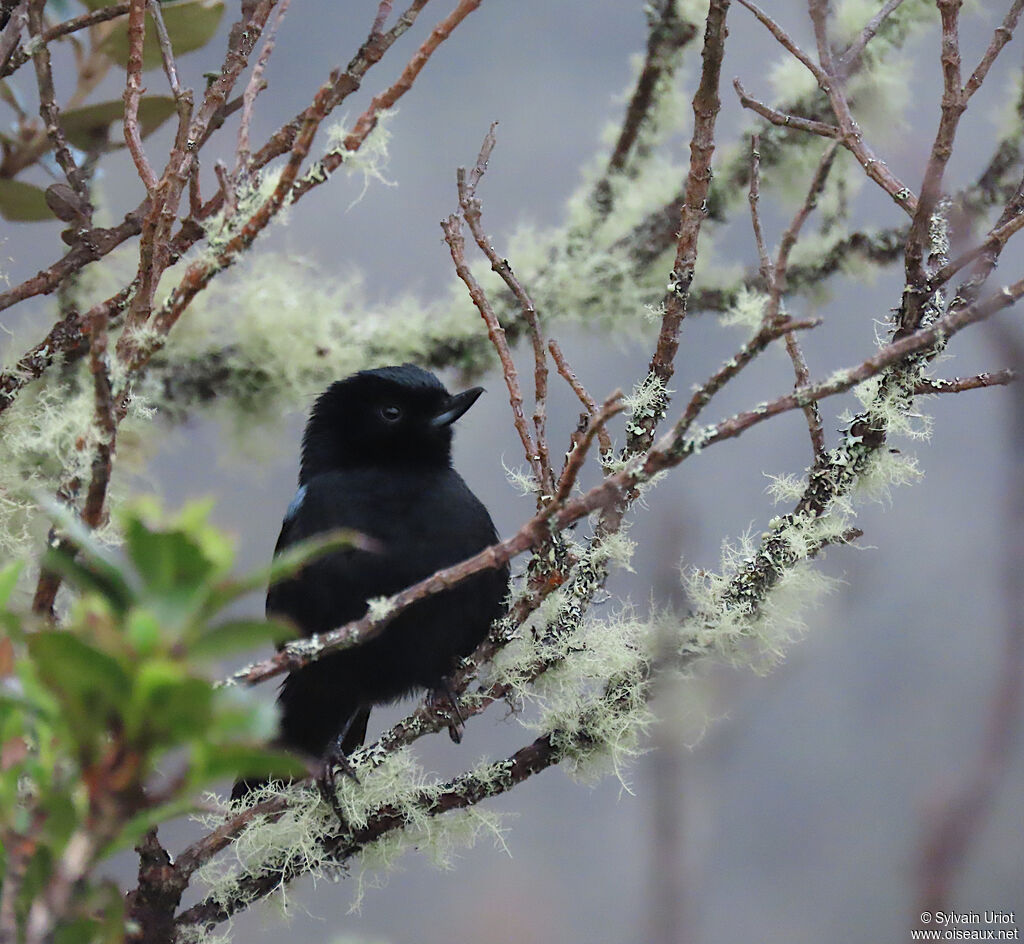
(589,403)
(383,12)
(596,427)
(367,121)
(50,113)
(996,239)
(917,292)
(667,33)
(76,23)
(253,89)
(471,212)
(786,41)
(457,246)
(853,52)
(706,106)
(992,378)
(12,34)
(299,133)
(768,332)
(849,131)
(166,49)
(1003,34)
(765,266)
(783,120)
(133,93)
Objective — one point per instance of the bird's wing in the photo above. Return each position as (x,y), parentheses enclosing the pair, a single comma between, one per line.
(333,589)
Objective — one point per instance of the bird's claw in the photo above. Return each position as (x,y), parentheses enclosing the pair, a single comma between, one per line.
(333,760)
(444,694)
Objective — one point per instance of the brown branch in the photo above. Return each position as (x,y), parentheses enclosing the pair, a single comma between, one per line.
(787,43)
(781,119)
(459,793)
(133,93)
(12,35)
(457,246)
(166,49)
(765,266)
(768,332)
(853,52)
(589,403)
(50,113)
(471,212)
(100,242)
(954,103)
(253,88)
(778,287)
(960,384)
(706,106)
(667,33)
(1003,34)
(383,12)
(995,240)
(73,25)
(368,119)
(105,421)
(339,85)
(775,274)
(849,131)
(596,427)
(336,89)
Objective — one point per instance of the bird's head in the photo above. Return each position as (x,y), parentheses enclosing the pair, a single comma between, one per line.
(390,416)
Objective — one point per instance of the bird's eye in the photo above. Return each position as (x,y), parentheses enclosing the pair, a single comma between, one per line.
(391,413)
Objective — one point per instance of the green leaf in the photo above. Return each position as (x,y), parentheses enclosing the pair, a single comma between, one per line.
(168,706)
(143,631)
(97,570)
(90,686)
(213,761)
(238,636)
(191,24)
(8,579)
(23,203)
(291,561)
(166,560)
(60,656)
(88,127)
(91,575)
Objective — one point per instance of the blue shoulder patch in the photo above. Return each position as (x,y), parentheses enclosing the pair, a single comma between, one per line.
(295,504)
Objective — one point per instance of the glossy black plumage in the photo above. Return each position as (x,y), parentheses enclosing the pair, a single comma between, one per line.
(376,457)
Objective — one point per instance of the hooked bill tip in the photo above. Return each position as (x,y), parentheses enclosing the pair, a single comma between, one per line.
(456,406)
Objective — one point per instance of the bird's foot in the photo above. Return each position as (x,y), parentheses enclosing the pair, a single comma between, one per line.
(333,760)
(444,695)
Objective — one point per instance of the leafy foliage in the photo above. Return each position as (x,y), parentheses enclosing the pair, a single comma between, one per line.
(110,723)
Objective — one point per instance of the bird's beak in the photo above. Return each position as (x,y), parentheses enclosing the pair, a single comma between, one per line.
(456,406)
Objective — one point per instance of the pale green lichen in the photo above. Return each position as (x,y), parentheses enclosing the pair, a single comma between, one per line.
(520,478)
(380,607)
(646,402)
(292,842)
(747,310)
(370,160)
(724,623)
(48,437)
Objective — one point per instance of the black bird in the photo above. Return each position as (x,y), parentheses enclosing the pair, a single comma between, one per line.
(376,457)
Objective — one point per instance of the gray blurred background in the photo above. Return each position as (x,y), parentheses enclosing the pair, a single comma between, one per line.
(800,812)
